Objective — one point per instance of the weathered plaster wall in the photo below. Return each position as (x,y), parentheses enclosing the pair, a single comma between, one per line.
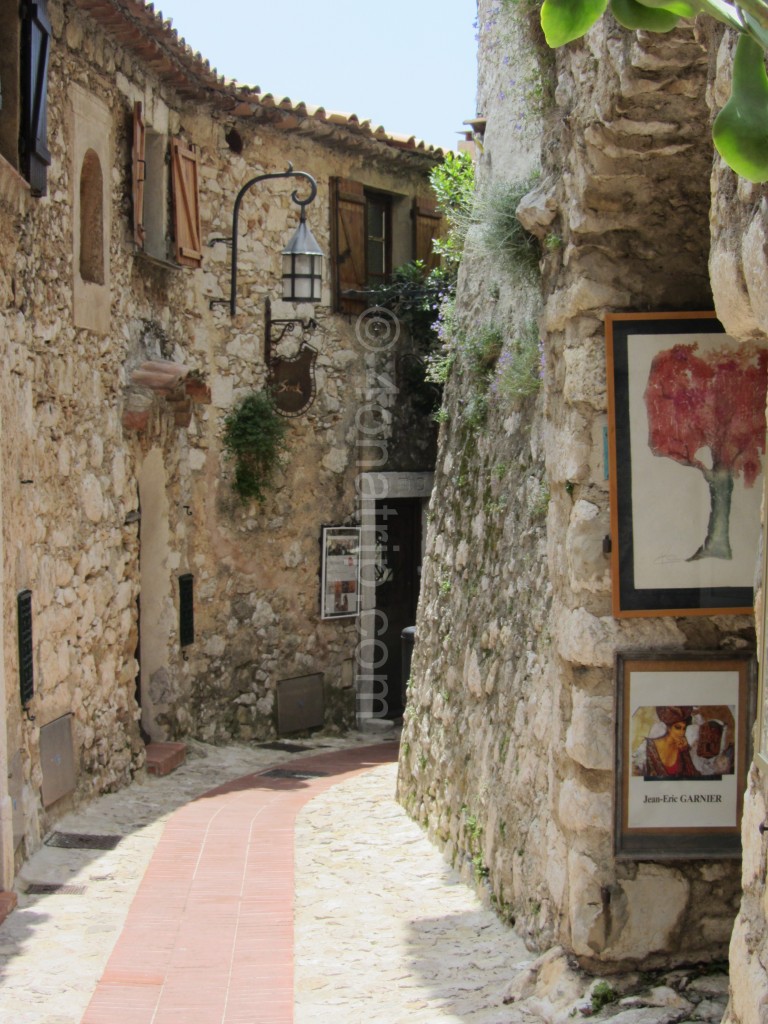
(508,747)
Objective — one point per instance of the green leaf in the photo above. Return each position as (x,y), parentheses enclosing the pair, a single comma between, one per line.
(756,30)
(566,20)
(682,8)
(634,15)
(722,10)
(740,131)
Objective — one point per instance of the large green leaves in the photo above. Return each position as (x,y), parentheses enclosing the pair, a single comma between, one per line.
(740,131)
(566,20)
(634,15)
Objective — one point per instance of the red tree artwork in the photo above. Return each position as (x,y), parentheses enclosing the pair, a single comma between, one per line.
(707,410)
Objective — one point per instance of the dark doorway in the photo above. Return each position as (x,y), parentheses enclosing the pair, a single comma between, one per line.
(398,569)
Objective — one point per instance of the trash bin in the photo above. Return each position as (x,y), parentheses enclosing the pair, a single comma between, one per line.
(407,638)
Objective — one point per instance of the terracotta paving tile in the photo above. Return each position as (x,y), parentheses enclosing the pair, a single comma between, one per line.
(209,936)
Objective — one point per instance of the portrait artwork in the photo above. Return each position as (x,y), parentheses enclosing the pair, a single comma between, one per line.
(682,737)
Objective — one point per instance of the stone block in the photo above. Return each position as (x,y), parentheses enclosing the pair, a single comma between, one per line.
(163,758)
(581,809)
(589,739)
(585,639)
(588,565)
(648,912)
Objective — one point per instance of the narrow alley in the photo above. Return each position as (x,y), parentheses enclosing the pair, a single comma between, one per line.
(259,885)
(191,917)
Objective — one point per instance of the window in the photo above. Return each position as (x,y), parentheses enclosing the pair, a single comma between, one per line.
(186,609)
(26,660)
(24,47)
(372,233)
(152,186)
(378,220)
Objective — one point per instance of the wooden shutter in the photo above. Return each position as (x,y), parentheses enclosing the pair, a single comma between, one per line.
(139,174)
(33,136)
(186,204)
(348,245)
(427,225)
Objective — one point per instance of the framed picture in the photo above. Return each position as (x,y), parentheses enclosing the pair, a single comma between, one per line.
(340,577)
(686,414)
(683,729)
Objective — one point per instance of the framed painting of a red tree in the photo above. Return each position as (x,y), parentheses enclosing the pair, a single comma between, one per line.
(687,433)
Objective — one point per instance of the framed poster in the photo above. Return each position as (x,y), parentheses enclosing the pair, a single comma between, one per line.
(682,749)
(686,414)
(340,577)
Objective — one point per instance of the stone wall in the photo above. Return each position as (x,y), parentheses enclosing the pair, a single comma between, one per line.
(111,491)
(739,273)
(508,745)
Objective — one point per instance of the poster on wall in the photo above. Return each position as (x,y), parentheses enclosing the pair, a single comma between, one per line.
(682,735)
(340,577)
(687,447)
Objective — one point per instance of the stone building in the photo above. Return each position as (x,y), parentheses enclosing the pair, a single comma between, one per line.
(604,150)
(141,599)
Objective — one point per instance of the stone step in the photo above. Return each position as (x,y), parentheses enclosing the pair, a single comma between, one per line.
(162,758)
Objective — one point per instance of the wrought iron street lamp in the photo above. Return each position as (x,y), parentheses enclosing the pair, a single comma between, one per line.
(302,256)
(302,263)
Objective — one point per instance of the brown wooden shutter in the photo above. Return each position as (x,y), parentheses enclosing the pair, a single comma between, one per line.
(427,225)
(186,204)
(139,173)
(33,141)
(348,245)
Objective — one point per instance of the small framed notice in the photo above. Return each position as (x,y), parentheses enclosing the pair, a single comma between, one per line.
(340,578)
(682,749)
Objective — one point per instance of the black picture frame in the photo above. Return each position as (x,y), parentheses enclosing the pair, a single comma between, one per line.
(692,809)
(661,501)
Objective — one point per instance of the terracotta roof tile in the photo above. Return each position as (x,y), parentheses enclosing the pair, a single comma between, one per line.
(136,25)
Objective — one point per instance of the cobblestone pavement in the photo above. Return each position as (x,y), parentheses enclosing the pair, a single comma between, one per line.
(385,930)
(53,948)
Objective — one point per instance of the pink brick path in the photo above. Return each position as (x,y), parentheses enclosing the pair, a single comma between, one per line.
(209,935)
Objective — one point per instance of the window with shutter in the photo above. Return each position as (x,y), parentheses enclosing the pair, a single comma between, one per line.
(10,78)
(427,225)
(348,246)
(155,192)
(370,235)
(139,165)
(33,138)
(186,204)
(24,48)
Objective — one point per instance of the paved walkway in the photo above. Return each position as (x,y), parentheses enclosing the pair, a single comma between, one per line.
(191,918)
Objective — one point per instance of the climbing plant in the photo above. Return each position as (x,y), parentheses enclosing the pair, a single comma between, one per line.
(740,130)
(254,437)
(421,298)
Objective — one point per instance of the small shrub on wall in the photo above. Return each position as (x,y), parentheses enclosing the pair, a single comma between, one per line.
(519,369)
(254,437)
